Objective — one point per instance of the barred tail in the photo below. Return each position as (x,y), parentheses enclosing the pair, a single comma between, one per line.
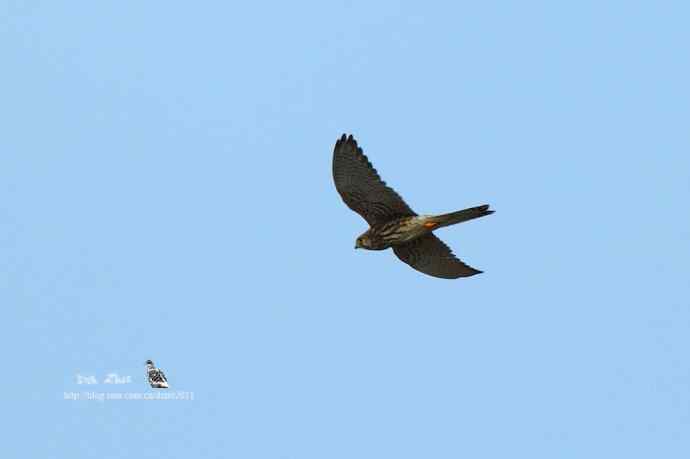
(461,216)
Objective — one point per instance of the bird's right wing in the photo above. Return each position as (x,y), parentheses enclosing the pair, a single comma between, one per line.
(428,254)
(361,187)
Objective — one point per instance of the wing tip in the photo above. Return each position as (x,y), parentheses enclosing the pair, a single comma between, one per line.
(469,273)
(346,140)
(485,209)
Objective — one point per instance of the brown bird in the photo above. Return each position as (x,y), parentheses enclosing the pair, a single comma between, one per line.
(392,222)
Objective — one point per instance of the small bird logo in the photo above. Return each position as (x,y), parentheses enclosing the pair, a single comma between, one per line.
(392,223)
(155,376)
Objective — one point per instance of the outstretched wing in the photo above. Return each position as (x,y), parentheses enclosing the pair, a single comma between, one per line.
(431,256)
(361,187)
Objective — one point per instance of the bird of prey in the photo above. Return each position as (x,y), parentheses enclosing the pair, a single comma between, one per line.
(392,223)
(155,376)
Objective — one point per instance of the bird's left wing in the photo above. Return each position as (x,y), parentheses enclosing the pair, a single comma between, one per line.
(428,254)
(361,187)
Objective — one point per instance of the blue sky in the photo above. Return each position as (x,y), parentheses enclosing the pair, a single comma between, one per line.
(167,194)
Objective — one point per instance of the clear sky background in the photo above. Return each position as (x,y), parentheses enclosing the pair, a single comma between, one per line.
(166,194)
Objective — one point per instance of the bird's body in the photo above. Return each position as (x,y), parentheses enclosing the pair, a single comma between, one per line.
(392,223)
(155,376)
(395,232)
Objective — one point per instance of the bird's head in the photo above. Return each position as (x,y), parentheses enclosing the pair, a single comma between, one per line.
(363,241)
(149,362)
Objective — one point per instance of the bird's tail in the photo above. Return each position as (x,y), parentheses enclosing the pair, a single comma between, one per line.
(460,216)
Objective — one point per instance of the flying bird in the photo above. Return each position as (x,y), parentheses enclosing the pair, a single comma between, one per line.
(155,376)
(392,223)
